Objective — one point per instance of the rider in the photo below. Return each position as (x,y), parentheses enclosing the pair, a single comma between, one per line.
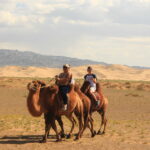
(63,81)
(92,79)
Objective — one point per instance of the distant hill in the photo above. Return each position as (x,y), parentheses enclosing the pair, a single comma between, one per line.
(20,58)
(27,58)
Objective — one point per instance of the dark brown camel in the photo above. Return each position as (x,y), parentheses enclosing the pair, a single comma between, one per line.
(101,109)
(49,102)
(87,107)
(35,106)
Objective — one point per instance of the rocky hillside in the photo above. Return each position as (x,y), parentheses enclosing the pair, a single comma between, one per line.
(20,58)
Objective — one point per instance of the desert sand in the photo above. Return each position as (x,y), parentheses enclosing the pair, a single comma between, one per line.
(128,120)
(112,72)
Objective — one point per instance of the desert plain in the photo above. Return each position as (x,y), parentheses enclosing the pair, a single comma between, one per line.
(128,117)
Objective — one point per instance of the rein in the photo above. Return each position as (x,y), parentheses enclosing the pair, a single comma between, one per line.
(48,84)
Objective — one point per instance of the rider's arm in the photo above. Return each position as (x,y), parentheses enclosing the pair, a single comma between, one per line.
(63,80)
(85,77)
(94,78)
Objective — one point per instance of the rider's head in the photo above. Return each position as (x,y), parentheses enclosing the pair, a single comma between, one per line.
(66,68)
(89,69)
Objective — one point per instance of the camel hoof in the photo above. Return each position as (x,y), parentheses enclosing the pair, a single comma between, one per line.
(93,134)
(62,135)
(68,136)
(77,138)
(43,141)
(58,140)
(103,132)
(100,133)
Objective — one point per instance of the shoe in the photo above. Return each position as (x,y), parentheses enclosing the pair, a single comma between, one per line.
(65,107)
(97,103)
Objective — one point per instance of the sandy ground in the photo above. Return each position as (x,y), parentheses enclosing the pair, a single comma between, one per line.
(113,72)
(128,122)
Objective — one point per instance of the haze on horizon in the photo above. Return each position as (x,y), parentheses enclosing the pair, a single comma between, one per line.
(112,31)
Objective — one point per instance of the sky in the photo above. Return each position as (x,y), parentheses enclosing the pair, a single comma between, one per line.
(112,31)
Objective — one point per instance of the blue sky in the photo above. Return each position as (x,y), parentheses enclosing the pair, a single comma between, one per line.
(113,31)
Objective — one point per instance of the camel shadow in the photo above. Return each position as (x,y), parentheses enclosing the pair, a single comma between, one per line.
(24,139)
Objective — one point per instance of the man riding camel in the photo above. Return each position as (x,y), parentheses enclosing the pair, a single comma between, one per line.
(63,81)
(93,80)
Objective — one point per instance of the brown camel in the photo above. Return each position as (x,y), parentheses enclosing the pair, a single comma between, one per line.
(49,102)
(36,106)
(101,109)
(87,107)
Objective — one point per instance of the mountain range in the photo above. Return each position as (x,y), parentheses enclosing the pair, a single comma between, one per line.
(27,58)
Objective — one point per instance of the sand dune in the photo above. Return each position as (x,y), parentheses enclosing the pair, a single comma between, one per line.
(113,72)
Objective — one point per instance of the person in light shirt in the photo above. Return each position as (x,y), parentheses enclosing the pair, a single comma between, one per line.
(92,79)
(63,80)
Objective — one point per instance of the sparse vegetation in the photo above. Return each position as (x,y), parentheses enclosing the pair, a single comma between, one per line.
(128,118)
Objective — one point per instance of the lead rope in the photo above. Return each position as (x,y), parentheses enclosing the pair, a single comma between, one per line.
(48,84)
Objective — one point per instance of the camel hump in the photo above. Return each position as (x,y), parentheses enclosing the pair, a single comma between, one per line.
(105,100)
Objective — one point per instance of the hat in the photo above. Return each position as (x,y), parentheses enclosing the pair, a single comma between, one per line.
(66,66)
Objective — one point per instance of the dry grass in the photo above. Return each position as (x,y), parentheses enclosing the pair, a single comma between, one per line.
(128,120)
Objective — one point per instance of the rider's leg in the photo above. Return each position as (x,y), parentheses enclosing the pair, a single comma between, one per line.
(64,91)
(92,90)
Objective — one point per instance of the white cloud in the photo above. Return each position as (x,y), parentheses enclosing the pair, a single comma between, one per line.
(56,20)
(7,17)
(105,30)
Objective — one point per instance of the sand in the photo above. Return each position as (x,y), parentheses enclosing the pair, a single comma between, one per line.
(112,72)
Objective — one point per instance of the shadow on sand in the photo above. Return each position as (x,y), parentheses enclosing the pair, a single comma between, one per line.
(24,139)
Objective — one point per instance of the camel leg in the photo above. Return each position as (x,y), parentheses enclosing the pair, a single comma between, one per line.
(103,122)
(62,133)
(53,124)
(71,118)
(80,120)
(93,132)
(86,122)
(74,121)
(46,118)
(47,128)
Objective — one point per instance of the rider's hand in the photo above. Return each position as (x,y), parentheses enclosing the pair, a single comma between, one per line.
(56,78)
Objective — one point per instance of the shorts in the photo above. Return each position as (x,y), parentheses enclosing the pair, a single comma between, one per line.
(92,89)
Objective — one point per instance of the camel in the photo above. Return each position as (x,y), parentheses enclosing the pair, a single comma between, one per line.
(87,107)
(48,101)
(101,109)
(36,106)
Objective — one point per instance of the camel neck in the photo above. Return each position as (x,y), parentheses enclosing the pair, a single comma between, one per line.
(34,104)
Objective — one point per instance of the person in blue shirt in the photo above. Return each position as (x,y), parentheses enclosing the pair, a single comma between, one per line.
(93,80)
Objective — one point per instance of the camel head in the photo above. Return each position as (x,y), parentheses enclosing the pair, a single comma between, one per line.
(42,83)
(34,86)
(85,87)
(77,87)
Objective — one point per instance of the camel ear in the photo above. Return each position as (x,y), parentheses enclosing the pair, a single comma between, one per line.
(76,87)
(41,82)
(28,86)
